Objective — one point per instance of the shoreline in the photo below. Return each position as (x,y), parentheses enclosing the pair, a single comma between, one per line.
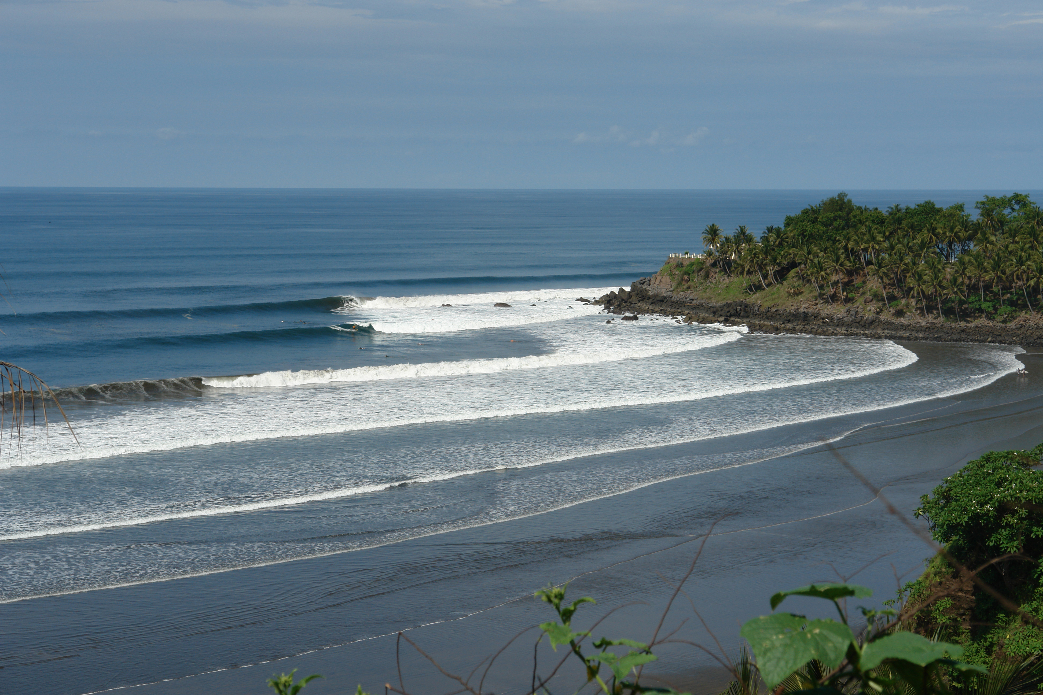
(760,548)
(470,592)
(653,296)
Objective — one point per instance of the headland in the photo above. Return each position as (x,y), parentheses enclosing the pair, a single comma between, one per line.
(920,273)
(654,296)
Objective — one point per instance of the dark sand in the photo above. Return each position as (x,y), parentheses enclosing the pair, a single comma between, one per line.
(779,524)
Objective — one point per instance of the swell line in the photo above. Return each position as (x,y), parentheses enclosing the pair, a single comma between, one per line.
(456,368)
(323,304)
(449,527)
(181,443)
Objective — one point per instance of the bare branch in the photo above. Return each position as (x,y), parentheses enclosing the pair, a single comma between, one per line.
(434,663)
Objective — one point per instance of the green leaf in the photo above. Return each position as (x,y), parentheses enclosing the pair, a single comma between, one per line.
(284,685)
(784,642)
(567,612)
(560,634)
(907,646)
(553,595)
(622,665)
(303,682)
(965,668)
(826,590)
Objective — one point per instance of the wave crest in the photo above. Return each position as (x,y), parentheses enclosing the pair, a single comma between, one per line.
(462,367)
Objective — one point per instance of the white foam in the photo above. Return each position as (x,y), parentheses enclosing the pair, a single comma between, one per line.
(470,367)
(426,314)
(254,417)
(522,496)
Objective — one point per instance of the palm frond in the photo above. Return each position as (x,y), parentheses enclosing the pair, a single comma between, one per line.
(22,393)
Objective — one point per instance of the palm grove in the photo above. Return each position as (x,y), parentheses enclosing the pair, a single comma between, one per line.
(923,258)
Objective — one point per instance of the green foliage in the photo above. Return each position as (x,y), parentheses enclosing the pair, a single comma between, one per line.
(1009,677)
(284,685)
(621,666)
(991,507)
(989,517)
(784,642)
(830,591)
(983,307)
(935,259)
(895,662)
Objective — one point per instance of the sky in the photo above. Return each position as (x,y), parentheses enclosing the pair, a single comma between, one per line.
(672,94)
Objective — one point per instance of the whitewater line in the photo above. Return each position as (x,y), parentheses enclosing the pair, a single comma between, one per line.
(449,528)
(466,367)
(228,438)
(380,487)
(446,527)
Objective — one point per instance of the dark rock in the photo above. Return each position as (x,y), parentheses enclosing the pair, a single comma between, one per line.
(503,305)
(654,296)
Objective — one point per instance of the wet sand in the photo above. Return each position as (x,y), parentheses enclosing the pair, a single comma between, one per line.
(776,524)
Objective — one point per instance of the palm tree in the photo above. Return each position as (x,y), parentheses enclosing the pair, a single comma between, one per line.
(996,270)
(1022,269)
(837,264)
(936,281)
(24,392)
(742,236)
(755,257)
(815,273)
(918,281)
(726,251)
(962,272)
(712,237)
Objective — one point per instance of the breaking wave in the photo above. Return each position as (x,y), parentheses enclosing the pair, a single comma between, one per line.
(463,367)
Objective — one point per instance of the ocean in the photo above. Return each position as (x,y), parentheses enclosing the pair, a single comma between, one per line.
(264,384)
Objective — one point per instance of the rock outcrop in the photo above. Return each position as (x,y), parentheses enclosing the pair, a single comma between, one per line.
(654,296)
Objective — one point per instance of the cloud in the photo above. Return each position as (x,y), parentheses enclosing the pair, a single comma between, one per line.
(292,13)
(613,134)
(695,137)
(906,10)
(1029,18)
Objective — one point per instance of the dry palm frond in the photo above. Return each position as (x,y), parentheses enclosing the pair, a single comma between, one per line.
(21,393)
(747,676)
(1009,677)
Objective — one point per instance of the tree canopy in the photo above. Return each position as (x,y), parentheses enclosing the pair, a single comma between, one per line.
(924,257)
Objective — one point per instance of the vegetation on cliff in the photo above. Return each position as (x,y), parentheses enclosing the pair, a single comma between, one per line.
(926,259)
(986,591)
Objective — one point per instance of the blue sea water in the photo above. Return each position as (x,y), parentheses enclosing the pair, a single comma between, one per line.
(265,377)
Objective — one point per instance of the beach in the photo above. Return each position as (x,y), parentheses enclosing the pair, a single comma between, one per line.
(293,443)
(777,523)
